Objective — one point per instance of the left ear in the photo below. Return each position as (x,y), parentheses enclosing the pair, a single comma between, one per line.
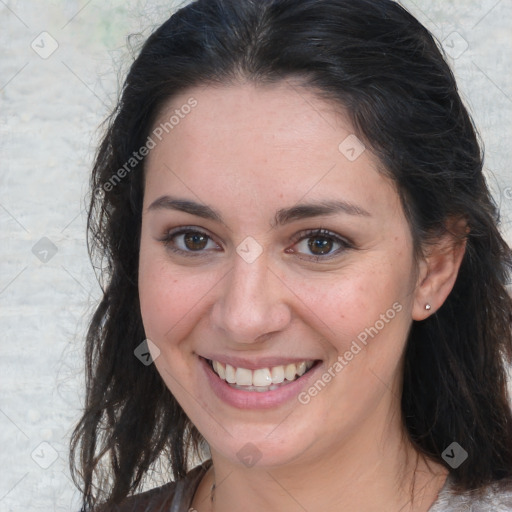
(439,268)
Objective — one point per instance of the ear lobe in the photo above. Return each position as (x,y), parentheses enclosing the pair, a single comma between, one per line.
(439,268)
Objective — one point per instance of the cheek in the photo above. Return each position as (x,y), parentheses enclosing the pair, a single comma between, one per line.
(168,301)
(170,298)
(364,316)
(155,294)
(353,299)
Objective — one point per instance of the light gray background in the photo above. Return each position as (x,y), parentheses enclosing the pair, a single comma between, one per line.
(50,109)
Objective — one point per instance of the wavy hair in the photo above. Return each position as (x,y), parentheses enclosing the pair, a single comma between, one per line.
(379,63)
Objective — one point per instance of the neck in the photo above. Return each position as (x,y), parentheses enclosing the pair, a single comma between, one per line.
(383,475)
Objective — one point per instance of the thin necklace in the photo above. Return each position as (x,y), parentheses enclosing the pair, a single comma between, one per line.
(212,495)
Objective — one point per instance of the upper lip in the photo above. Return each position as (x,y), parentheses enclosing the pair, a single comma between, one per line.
(255,364)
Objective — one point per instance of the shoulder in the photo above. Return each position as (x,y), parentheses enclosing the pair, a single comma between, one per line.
(153,500)
(493,498)
(177,495)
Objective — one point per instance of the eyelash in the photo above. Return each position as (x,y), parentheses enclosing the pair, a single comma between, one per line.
(326,234)
(167,240)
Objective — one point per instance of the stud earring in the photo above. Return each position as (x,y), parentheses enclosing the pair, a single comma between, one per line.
(428,307)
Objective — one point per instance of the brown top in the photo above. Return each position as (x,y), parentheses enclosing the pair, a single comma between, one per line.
(171,497)
(178,496)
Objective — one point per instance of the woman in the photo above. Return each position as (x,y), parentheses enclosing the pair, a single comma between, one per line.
(305,281)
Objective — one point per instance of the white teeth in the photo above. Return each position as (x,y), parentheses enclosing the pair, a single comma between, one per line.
(219,369)
(277,374)
(289,371)
(262,379)
(230,374)
(243,377)
(301,368)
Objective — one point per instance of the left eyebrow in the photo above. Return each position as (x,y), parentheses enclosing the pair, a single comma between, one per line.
(304,211)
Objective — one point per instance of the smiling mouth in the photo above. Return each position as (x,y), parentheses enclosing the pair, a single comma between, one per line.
(262,379)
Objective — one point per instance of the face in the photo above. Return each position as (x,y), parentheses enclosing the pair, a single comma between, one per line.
(274,255)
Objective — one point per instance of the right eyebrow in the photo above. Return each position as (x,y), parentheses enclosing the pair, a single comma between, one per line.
(184,205)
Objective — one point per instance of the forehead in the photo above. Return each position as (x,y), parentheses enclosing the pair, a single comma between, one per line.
(256,145)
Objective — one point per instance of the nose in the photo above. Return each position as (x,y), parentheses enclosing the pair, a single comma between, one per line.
(251,304)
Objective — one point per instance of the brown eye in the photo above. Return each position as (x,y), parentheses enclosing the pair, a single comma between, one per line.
(189,242)
(320,245)
(195,241)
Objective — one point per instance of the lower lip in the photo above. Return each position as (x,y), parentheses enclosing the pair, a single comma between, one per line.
(257,399)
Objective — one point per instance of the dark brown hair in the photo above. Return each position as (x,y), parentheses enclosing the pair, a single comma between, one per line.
(376,60)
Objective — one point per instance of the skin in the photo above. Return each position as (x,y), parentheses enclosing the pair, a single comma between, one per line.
(248,151)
